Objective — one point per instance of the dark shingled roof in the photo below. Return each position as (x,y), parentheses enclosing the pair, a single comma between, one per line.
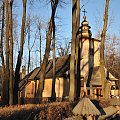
(62,65)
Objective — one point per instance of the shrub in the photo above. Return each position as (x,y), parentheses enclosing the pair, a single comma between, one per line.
(48,111)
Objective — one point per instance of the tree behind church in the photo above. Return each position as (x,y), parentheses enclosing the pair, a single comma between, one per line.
(102,61)
(54,4)
(47,51)
(19,59)
(74,51)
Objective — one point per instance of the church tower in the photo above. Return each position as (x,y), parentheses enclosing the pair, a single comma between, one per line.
(86,48)
(89,52)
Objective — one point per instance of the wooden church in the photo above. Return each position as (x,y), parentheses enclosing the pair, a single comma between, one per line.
(89,71)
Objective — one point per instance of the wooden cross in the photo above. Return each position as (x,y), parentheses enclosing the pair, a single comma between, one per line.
(84,12)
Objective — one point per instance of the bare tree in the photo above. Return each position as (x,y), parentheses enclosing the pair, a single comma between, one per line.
(7,51)
(19,59)
(78,84)
(54,4)
(46,56)
(30,46)
(7,91)
(28,32)
(112,56)
(102,61)
(39,26)
(4,99)
(63,49)
(72,59)
(11,56)
(45,60)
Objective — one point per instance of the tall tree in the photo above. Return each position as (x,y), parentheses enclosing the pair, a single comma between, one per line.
(11,56)
(102,61)
(19,59)
(3,96)
(45,61)
(77,51)
(46,56)
(40,38)
(7,51)
(112,60)
(39,26)
(28,21)
(54,4)
(72,59)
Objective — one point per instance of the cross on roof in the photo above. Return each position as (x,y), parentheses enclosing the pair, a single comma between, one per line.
(84,12)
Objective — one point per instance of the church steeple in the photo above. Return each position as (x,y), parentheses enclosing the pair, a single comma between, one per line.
(85,28)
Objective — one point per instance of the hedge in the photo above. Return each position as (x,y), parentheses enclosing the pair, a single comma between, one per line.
(48,111)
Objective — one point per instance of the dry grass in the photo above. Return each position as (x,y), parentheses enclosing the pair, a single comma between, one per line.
(48,111)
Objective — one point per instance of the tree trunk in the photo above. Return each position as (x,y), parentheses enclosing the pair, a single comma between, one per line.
(45,61)
(29,55)
(102,61)
(46,56)
(29,51)
(11,57)
(40,47)
(53,6)
(72,59)
(3,96)
(7,53)
(78,52)
(19,59)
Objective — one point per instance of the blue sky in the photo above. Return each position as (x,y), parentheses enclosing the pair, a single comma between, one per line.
(94,8)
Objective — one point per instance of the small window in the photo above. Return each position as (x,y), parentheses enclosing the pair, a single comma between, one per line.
(114,87)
